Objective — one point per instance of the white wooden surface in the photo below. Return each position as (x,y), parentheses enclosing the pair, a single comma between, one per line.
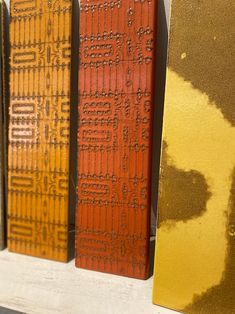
(39,286)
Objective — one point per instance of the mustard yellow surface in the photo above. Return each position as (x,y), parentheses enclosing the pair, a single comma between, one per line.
(195,251)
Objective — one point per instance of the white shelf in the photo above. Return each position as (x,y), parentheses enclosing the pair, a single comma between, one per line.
(39,286)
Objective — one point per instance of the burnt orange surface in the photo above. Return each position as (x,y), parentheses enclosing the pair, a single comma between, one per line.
(40,39)
(114,152)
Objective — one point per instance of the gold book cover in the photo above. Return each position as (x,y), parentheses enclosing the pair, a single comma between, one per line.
(39,130)
(195,252)
(3,130)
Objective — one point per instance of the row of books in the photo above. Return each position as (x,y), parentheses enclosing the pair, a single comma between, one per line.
(80,132)
(77,137)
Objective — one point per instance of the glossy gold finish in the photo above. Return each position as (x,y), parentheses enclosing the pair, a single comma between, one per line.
(195,252)
(40,38)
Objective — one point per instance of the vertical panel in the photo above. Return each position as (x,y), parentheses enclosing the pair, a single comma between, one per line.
(40,38)
(2,130)
(117,41)
(195,253)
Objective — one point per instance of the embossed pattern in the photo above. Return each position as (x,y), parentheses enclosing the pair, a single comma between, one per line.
(40,39)
(2,126)
(114,152)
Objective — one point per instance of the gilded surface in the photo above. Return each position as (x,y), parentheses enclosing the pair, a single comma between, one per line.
(195,253)
(116,92)
(40,39)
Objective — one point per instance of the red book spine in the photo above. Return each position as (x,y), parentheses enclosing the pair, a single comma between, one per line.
(117,63)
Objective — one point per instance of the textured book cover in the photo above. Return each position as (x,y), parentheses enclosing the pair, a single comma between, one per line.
(195,252)
(117,52)
(39,131)
(3,109)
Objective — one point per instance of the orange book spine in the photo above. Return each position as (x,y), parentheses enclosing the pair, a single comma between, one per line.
(117,63)
(39,131)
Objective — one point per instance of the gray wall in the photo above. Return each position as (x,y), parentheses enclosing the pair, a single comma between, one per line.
(167,4)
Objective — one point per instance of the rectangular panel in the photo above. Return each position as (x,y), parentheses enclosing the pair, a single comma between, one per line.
(195,252)
(117,63)
(39,130)
(3,129)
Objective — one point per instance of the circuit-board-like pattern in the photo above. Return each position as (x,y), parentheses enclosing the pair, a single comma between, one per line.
(40,66)
(2,126)
(117,41)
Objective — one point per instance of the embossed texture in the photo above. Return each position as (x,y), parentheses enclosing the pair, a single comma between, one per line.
(195,253)
(40,71)
(117,52)
(3,129)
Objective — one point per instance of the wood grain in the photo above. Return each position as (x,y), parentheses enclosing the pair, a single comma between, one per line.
(63,289)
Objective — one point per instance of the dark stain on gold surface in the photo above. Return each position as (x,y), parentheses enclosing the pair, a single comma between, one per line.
(221,298)
(203,50)
(184,194)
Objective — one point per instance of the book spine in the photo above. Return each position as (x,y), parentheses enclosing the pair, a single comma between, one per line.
(39,131)
(2,199)
(117,58)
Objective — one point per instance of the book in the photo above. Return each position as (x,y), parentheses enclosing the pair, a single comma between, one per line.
(116,91)
(195,251)
(39,132)
(3,121)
